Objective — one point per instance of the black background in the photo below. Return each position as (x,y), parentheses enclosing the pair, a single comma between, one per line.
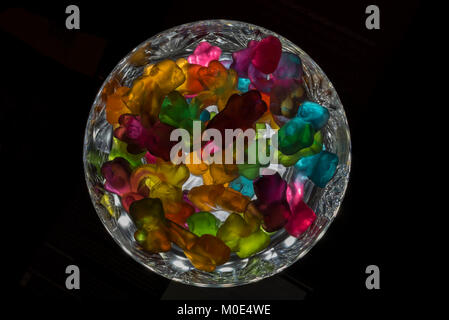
(51,75)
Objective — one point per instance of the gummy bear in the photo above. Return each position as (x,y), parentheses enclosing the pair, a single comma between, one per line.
(234,228)
(255,242)
(320,168)
(148,92)
(243,185)
(271,201)
(192,85)
(243,85)
(177,211)
(295,135)
(182,237)
(129,198)
(220,84)
(176,112)
(313,113)
(300,219)
(207,253)
(285,97)
(289,67)
(289,160)
(212,197)
(117,174)
(263,55)
(203,222)
(119,149)
(152,233)
(241,112)
(204,53)
(267,54)
(223,173)
(155,139)
(115,106)
(195,164)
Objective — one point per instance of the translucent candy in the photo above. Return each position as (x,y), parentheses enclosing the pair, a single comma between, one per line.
(289,67)
(203,222)
(300,219)
(243,85)
(241,112)
(155,139)
(271,201)
(319,168)
(249,171)
(147,93)
(177,211)
(204,53)
(207,253)
(232,230)
(313,113)
(129,198)
(267,54)
(242,59)
(223,173)
(252,244)
(192,85)
(289,160)
(264,55)
(212,197)
(115,106)
(295,135)
(176,112)
(117,174)
(243,185)
(152,233)
(219,83)
(205,116)
(119,149)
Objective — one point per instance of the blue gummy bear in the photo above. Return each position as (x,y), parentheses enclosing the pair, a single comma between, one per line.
(243,85)
(205,116)
(313,113)
(243,185)
(319,168)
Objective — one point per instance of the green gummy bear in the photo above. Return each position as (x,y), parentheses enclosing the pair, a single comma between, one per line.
(175,111)
(252,244)
(289,160)
(295,135)
(119,149)
(203,222)
(249,171)
(234,228)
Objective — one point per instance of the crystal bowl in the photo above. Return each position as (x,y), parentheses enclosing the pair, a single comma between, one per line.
(284,249)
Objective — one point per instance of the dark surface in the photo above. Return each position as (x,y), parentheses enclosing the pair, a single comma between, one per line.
(51,76)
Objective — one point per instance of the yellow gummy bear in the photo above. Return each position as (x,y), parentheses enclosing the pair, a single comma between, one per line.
(148,91)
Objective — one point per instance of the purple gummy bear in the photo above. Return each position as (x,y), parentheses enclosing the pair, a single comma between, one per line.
(155,139)
(242,59)
(289,67)
(117,173)
(271,192)
(132,132)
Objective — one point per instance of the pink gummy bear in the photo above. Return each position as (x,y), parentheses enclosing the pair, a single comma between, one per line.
(204,53)
(301,217)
